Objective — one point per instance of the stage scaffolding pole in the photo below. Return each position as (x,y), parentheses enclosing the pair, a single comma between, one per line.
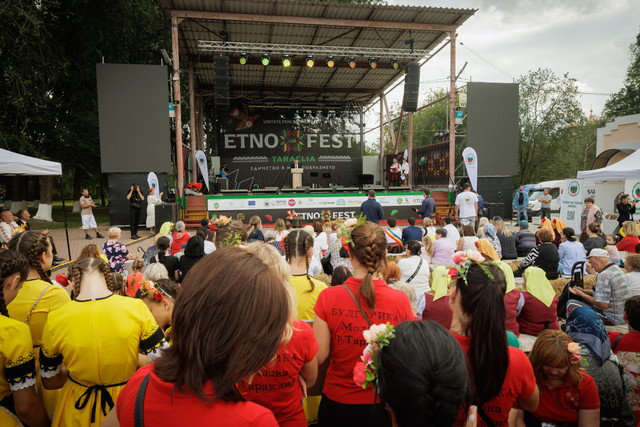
(382,180)
(452,110)
(176,97)
(192,124)
(409,150)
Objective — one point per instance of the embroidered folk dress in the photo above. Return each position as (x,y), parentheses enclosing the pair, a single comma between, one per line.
(18,366)
(98,341)
(53,298)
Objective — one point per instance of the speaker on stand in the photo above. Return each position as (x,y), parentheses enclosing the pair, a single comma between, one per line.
(221,81)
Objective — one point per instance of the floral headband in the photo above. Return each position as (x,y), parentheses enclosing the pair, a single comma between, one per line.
(233,239)
(574,349)
(377,337)
(221,221)
(464,260)
(148,288)
(347,227)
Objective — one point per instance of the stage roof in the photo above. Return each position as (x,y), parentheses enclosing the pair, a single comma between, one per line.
(306,23)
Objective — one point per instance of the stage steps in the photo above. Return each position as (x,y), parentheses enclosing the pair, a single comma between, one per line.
(443,207)
(196,210)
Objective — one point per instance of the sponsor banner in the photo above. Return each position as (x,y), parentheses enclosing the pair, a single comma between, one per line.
(152,180)
(204,169)
(574,193)
(260,145)
(309,201)
(632,188)
(471,163)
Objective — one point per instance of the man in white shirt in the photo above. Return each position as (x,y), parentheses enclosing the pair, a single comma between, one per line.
(467,205)
(452,232)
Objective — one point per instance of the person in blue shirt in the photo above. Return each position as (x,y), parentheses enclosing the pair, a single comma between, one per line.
(520,202)
(411,232)
(371,208)
(570,251)
(428,207)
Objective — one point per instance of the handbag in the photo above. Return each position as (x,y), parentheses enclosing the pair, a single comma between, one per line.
(415,272)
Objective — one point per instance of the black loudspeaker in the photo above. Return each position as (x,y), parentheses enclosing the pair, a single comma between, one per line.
(411,87)
(221,81)
(166,212)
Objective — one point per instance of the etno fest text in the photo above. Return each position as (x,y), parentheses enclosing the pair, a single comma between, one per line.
(312,215)
(272,140)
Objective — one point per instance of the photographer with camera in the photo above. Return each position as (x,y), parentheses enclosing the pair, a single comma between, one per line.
(135,199)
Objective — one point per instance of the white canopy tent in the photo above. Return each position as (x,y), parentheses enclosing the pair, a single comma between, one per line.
(14,164)
(627,168)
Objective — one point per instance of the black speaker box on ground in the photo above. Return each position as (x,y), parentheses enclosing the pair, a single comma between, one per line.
(166,212)
(411,87)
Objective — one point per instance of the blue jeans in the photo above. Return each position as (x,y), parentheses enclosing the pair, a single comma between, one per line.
(522,209)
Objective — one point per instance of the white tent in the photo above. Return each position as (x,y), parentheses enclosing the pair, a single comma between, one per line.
(19,164)
(627,168)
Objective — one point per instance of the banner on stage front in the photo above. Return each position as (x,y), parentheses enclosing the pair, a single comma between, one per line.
(204,169)
(471,163)
(152,180)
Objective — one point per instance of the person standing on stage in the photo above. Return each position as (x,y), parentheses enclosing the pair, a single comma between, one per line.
(428,205)
(135,199)
(88,220)
(394,171)
(295,165)
(371,208)
(404,170)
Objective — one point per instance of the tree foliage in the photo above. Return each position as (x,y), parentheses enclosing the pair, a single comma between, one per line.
(627,100)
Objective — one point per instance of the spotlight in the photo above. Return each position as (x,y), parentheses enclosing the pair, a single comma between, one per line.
(265,59)
(394,63)
(310,61)
(244,58)
(286,61)
(331,62)
(373,63)
(352,62)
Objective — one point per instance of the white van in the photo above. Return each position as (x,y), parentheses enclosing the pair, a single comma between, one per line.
(533,209)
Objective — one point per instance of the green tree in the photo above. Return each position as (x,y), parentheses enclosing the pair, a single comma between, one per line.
(548,106)
(627,100)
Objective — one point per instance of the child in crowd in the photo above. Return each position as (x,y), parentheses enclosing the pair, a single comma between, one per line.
(340,274)
(255,229)
(135,279)
(612,241)
(160,297)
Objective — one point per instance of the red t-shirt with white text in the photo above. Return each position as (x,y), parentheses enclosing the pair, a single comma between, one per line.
(519,383)
(336,307)
(276,386)
(562,404)
(166,406)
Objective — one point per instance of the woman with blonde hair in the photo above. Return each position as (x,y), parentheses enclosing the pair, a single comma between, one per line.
(567,393)
(91,251)
(116,252)
(468,240)
(426,252)
(629,232)
(632,267)
(481,223)
(255,229)
(280,229)
(354,303)
(429,229)
(507,240)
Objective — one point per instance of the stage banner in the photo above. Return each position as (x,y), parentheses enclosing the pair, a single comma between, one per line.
(573,195)
(471,163)
(260,145)
(632,188)
(204,169)
(152,180)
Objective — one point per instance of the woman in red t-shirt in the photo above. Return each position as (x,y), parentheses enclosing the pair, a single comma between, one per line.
(630,231)
(339,323)
(228,323)
(501,376)
(567,393)
(180,237)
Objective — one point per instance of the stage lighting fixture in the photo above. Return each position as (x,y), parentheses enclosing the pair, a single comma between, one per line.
(265,59)
(310,61)
(352,62)
(373,63)
(286,61)
(394,63)
(331,62)
(244,58)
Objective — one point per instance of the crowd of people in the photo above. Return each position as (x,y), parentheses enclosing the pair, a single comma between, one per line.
(234,324)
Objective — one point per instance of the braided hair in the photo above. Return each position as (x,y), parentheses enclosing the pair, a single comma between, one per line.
(297,245)
(368,245)
(85,265)
(11,262)
(32,244)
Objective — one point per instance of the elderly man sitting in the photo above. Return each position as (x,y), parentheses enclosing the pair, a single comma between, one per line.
(610,292)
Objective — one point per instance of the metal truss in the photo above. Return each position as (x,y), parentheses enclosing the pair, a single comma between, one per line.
(294,49)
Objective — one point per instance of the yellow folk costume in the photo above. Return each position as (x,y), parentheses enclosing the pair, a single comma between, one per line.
(98,341)
(18,366)
(52,297)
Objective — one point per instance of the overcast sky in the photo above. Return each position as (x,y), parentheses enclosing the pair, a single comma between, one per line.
(589,39)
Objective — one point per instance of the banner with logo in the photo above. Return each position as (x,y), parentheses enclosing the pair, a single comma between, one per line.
(204,169)
(632,188)
(471,163)
(573,194)
(152,180)
(259,146)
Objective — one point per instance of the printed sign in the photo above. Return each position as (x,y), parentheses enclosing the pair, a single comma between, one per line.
(152,180)
(204,169)
(471,163)
(574,193)
(632,188)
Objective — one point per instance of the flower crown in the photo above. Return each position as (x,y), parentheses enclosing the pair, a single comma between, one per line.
(148,289)
(347,227)
(377,337)
(574,349)
(463,260)
(221,221)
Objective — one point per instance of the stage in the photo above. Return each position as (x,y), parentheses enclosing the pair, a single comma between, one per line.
(326,206)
